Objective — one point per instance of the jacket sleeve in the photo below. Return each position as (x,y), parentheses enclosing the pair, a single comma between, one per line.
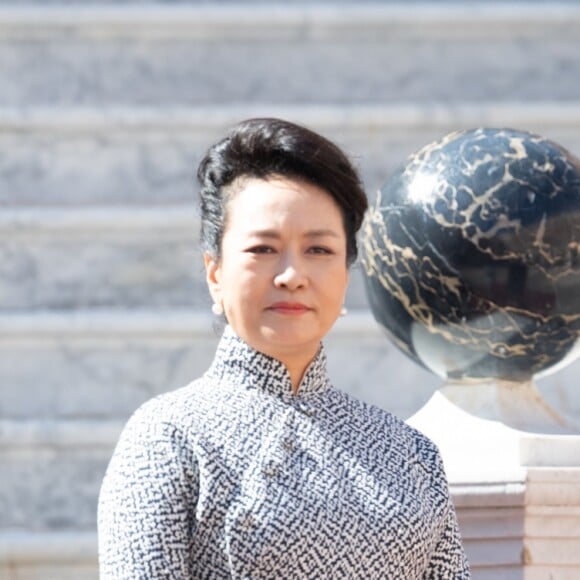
(448,560)
(147,502)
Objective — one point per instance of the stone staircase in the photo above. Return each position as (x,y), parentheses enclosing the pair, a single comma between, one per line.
(105,110)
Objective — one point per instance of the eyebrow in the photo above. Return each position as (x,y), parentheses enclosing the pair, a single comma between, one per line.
(309,234)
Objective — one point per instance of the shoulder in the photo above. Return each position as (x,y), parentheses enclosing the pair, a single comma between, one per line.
(397,434)
(169,416)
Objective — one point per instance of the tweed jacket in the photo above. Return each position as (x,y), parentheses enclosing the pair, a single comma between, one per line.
(234,476)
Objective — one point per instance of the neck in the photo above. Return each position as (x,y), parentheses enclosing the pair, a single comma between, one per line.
(280,373)
(296,379)
(297,366)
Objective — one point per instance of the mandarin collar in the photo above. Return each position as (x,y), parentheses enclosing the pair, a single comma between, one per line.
(236,362)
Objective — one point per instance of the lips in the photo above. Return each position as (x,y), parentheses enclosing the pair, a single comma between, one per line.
(289,308)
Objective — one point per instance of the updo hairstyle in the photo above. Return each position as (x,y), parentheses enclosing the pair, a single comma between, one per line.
(261,148)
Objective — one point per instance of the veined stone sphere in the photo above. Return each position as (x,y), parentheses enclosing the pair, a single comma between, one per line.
(471,256)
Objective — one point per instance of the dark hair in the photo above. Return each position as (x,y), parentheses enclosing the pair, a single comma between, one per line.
(260,148)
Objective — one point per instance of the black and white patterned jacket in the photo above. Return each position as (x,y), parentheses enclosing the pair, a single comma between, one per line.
(234,476)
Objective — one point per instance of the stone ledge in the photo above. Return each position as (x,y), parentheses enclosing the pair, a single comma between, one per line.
(64,434)
(276,21)
(179,221)
(489,495)
(550,475)
(543,573)
(102,259)
(553,551)
(145,324)
(172,119)
(147,155)
(75,546)
(554,488)
(103,324)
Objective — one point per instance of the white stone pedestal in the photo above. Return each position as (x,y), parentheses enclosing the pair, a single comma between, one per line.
(514,471)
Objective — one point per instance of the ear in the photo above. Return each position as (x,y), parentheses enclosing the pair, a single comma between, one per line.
(213,277)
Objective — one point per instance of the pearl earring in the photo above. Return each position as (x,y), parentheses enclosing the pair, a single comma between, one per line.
(343,311)
(217,309)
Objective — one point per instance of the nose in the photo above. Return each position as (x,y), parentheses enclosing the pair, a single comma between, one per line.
(291,275)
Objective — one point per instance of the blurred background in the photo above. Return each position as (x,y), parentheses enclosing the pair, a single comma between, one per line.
(105,111)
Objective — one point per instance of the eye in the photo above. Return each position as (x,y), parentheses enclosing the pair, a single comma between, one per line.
(320,250)
(261,249)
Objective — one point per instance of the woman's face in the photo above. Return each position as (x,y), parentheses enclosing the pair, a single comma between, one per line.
(282,275)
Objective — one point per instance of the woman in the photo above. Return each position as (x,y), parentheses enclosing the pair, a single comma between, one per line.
(260,468)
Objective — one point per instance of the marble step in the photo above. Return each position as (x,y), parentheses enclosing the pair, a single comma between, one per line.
(137,155)
(52,555)
(305,52)
(103,365)
(52,472)
(101,257)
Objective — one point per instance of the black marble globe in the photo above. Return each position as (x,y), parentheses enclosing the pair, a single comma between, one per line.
(471,256)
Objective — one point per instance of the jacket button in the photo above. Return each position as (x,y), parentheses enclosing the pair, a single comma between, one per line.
(270,470)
